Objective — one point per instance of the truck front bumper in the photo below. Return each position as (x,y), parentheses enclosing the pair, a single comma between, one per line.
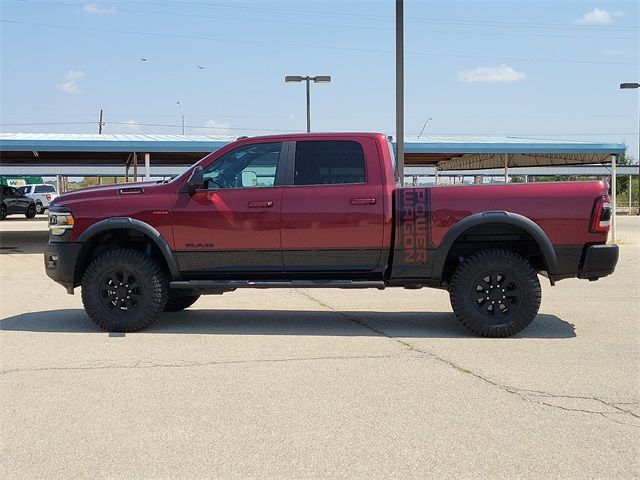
(599,261)
(60,260)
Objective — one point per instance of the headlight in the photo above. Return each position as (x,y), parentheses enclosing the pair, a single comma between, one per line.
(60,222)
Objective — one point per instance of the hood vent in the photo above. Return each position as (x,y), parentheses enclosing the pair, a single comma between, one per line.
(131,191)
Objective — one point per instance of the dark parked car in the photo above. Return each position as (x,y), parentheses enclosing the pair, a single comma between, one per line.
(13,201)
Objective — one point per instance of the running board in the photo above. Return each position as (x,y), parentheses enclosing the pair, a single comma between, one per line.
(215,285)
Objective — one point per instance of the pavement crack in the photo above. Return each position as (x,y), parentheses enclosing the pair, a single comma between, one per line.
(528,395)
(141,364)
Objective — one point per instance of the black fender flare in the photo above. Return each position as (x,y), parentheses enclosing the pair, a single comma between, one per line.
(140,226)
(495,217)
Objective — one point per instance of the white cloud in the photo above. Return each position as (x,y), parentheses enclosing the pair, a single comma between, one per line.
(95,9)
(597,16)
(70,82)
(501,73)
(218,128)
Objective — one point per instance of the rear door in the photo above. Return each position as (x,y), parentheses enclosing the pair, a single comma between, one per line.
(332,206)
(232,225)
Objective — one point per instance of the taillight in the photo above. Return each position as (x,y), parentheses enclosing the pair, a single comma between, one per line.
(601,217)
(48,197)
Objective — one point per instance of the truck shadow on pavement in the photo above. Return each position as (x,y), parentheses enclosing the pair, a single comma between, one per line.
(23,242)
(286,322)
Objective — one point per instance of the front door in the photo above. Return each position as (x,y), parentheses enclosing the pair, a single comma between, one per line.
(332,207)
(232,224)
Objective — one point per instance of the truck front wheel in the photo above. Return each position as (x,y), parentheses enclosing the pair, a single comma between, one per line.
(124,290)
(495,293)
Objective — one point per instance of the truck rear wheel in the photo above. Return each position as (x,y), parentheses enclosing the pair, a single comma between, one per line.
(124,290)
(495,293)
(175,304)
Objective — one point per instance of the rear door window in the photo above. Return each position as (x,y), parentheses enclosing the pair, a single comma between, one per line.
(328,163)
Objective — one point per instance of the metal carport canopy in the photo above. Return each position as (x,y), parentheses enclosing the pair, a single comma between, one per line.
(85,142)
(476,153)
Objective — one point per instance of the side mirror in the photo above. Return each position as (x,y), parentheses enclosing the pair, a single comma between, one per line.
(196,180)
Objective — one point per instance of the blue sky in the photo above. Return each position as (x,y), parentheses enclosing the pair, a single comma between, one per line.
(538,69)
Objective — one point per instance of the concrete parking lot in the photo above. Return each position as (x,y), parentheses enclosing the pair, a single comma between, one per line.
(318,383)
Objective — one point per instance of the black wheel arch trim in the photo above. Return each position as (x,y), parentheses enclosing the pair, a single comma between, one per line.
(140,226)
(495,217)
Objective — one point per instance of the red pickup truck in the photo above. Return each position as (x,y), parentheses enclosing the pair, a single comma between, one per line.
(323,210)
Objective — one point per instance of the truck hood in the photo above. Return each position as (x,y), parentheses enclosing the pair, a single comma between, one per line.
(104,192)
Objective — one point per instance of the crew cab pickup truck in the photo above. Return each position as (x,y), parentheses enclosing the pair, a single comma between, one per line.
(323,210)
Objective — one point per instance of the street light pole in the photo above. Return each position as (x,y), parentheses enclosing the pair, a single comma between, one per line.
(423,126)
(181,115)
(308,106)
(626,86)
(308,80)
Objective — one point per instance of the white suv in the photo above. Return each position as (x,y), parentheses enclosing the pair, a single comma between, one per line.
(42,193)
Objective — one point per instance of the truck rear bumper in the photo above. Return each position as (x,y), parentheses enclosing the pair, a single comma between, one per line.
(60,261)
(599,261)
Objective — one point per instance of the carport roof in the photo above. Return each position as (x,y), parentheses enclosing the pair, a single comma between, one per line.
(85,142)
(463,144)
(447,152)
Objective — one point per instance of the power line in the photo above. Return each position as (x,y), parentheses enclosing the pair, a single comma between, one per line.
(365,27)
(205,127)
(309,13)
(299,45)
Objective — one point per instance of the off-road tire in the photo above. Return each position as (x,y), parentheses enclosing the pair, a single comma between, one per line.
(3,211)
(495,293)
(175,304)
(31,211)
(115,276)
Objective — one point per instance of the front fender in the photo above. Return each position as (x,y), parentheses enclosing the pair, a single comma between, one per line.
(140,226)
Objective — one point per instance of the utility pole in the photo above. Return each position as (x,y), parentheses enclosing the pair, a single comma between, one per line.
(400,89)
(100,123)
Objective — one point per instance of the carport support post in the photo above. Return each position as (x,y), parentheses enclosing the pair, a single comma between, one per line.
(135,167)
(630,194)
(506,168)
(147,166)
(614,160)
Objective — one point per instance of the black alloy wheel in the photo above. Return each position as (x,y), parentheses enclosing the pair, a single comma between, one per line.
(121,291)
(3,211)
(497,296)
(124,290)
(495,293)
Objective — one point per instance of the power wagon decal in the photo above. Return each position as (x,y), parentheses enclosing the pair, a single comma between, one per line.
(412,232)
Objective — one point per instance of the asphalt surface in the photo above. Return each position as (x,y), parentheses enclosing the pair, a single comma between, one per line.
(318,383)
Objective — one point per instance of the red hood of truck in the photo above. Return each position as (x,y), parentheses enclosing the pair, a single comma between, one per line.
(102,192)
